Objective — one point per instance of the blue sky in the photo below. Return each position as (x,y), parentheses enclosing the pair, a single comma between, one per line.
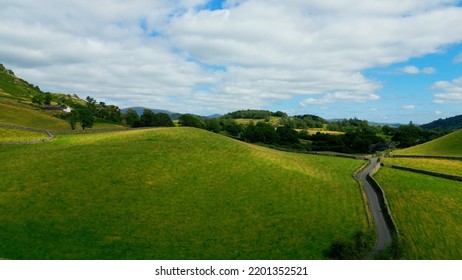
(385,61)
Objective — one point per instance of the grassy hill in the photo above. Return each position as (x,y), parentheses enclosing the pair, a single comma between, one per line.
(15,112)
(451,123)
(15,88)
(448,145)
(16,106)
(427,211)
(174,193)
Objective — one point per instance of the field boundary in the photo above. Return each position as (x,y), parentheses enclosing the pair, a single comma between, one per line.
(383,200)
(330,154)
(425,172)
(422,156)
(25,128)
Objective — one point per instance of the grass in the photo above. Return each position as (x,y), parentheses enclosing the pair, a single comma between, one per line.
(452,167)
(14,87)
(428,213)
(16,135)
(174,193)
(273,121)
(448,145)
(17,113)
(313,131)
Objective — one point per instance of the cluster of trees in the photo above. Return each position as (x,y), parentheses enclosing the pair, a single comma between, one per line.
(218,125)
(102,111)
(349,125)
(303,122)
(411,135)
(351,142)
(42,99)
(254,114)
(86,113)
(147,119)
(82,115)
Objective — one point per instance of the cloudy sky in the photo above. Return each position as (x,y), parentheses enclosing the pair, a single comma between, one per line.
(382,60)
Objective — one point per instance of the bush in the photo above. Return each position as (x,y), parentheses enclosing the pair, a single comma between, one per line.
(355,249)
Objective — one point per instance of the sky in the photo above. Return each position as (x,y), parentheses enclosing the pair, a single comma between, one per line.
(384,61)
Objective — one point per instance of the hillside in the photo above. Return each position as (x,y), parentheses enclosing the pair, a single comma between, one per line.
(15,88)
(172,193)
(448,145)
(17,107)
(451,123)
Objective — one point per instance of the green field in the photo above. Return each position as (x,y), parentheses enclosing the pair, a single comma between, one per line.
(273,121)
(13,112)
(16,135)
(452,167)
(427,211)
(174,193)
(448,145)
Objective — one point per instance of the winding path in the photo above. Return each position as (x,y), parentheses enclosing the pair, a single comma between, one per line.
(383,230)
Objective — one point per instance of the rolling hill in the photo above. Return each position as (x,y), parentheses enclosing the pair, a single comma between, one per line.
(451,123)
(448,145)
(172,193)
(17,109)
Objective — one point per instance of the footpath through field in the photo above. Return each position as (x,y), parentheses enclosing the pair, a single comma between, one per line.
(383,229)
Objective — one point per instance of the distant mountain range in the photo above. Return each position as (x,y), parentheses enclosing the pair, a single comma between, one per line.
(173,115)
(452,123)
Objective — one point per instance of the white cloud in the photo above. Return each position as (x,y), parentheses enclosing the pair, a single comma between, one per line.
(338,97)
(270,50)
(410,69)
(438,112)
(451,91)
(408,107)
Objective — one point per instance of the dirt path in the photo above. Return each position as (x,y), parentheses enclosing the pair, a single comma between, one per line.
(383,230)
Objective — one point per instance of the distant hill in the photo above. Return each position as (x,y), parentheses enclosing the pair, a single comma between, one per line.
(452,123)
(448,145)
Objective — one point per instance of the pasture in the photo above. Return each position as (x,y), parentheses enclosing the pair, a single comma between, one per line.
(427,211)
(16,135)
(452,167)
(173,193)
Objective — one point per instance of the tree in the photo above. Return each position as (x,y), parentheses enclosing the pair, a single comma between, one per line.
(86,118)
(131,118)
(91,105)
(261,132)
(73,118)
(47,99)
(147,119)
(213,125)
(192,121)
(163,119)
(113,114)
(37,99)
(287,135)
